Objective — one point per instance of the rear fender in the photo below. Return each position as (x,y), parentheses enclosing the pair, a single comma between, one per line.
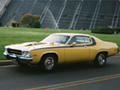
(104,52)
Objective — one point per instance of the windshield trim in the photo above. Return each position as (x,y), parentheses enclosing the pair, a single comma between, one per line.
(56,35)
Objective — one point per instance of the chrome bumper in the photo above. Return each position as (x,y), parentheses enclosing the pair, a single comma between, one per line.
(17,57)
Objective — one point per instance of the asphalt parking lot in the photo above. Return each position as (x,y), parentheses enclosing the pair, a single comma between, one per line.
(77,76)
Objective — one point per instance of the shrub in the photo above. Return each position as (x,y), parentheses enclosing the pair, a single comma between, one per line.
(103,30)
(28,20)
(0,24)
(13,23)
(116,30)
(36,25)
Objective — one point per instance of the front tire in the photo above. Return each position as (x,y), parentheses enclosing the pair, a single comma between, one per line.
(100,60)
(48,62)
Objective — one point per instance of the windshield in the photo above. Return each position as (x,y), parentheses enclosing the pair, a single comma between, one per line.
(62,39)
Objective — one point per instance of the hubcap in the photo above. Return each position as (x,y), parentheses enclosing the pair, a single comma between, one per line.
(101,60)
(49,63)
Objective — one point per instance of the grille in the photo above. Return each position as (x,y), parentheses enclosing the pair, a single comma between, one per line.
(12,51)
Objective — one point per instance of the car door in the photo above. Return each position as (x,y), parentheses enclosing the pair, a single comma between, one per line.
(78,52)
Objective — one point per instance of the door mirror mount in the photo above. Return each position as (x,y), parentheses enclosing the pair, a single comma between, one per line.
(73,44)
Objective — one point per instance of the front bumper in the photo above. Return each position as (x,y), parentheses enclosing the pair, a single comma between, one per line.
(17,57)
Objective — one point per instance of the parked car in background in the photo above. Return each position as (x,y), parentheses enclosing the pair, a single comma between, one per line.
(62,48)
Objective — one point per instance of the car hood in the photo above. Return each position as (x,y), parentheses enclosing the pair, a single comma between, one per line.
(32,46)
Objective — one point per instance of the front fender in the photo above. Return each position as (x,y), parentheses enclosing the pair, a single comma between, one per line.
(45,53)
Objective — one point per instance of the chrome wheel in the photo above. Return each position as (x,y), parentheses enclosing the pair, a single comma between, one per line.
(49,63)
(101,60)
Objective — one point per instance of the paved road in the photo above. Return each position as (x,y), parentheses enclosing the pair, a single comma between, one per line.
(80,76)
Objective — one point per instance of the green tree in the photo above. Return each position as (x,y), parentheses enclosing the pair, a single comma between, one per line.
(36,25)
(28,20)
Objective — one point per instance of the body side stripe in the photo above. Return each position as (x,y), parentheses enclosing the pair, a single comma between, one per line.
(94,43)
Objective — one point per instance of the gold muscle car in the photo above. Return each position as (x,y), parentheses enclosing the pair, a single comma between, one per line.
(62,48)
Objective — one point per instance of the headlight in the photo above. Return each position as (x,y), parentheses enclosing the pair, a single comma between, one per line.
(26,54)
(6,50)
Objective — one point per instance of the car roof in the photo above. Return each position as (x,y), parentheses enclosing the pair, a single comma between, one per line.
(72,34)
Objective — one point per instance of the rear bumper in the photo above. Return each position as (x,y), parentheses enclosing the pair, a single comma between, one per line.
(17,57)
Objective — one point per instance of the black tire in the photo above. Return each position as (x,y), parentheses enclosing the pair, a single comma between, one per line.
(100,60)
(48,62)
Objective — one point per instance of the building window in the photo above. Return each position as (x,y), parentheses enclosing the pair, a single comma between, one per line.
(89,16)
(115,16)
(101,16)
(64,15)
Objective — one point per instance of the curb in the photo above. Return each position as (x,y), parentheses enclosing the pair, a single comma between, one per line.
(7,62)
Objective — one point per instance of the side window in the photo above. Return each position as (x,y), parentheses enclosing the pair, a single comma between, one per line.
(80,40)
(87,39)
(73,39)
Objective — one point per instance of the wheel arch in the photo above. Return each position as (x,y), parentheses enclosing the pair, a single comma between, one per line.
(104,52)
(48,53)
